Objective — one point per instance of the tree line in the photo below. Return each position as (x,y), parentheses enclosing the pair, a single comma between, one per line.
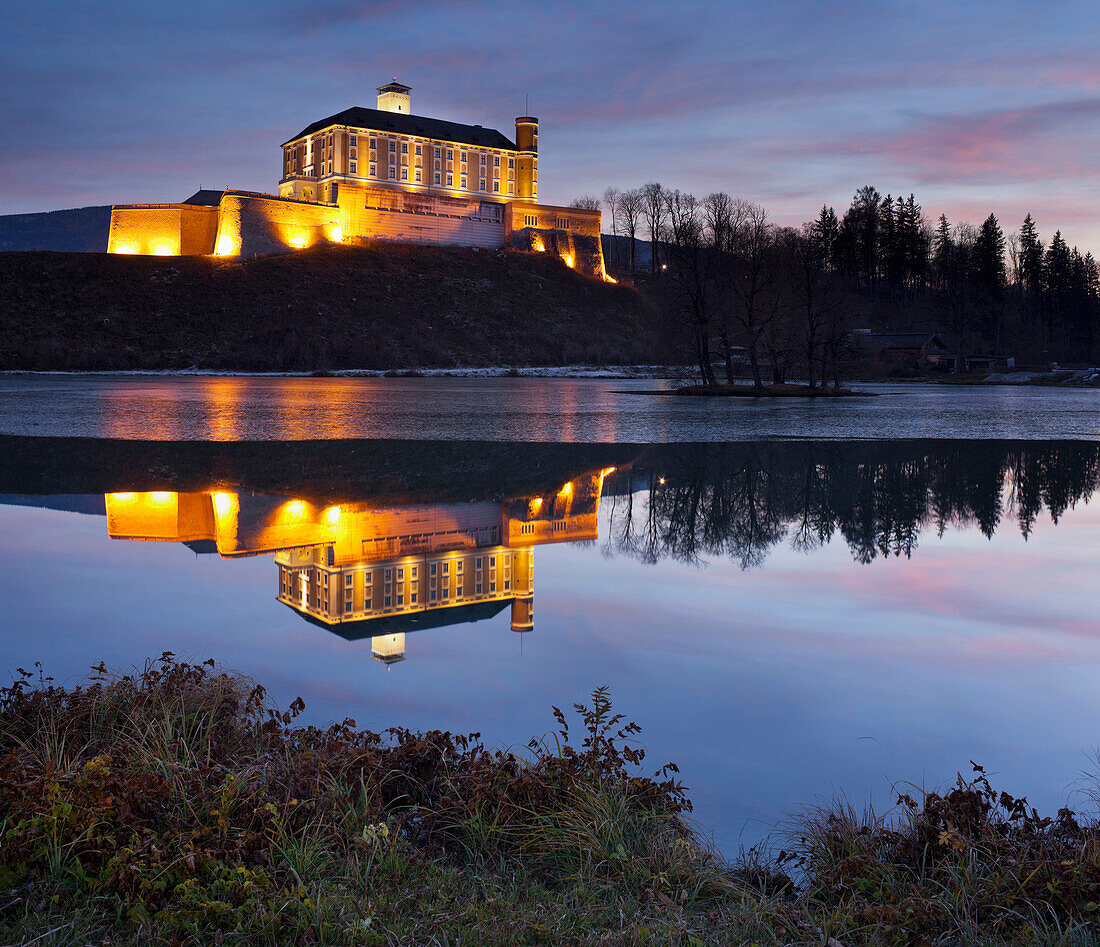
(754,298)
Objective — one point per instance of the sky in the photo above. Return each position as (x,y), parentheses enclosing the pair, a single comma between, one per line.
(975,107)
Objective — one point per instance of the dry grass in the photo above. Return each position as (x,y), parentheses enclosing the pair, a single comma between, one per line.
(176,805)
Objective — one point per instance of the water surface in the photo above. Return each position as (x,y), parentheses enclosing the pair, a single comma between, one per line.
(518,409)
(783,618)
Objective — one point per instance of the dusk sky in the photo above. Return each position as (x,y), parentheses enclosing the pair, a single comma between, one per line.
(974,107)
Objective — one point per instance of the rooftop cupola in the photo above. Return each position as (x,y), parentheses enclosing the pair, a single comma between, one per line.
(394,97)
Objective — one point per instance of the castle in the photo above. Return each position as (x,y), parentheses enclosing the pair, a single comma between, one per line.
(377,174)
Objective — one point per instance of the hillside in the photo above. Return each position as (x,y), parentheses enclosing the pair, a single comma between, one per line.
(375,307)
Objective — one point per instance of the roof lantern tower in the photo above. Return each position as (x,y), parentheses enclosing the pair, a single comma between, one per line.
(394,97)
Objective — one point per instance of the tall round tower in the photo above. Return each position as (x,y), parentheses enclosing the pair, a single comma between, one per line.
(527,170)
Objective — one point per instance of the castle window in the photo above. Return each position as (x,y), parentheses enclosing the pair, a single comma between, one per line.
(404,174)
(351,169)
(437,152)
(393,145)
(417,175)
(352,140)
(463,155)
(483,159)
(436,177)
(404,147)
(450,180)
(496,187)
(511,162)
(462,181)
(373,143)
(450,154)
(393,171)
(373,170)
(483,184)
(418,149)
(496,161)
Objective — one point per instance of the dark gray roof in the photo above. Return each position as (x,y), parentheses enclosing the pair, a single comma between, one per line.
(402,124)
(206,198)
(904,340)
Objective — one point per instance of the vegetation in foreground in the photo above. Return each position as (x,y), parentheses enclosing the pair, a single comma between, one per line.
(175,805)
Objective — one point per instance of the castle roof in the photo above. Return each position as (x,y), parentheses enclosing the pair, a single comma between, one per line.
(205,198)
(402,124)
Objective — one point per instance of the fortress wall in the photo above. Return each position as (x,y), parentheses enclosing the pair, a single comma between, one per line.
(159,229)
(377,224)
(198,229)
(253,225)
(568,232)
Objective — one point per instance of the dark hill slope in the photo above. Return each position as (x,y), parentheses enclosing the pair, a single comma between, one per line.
(376,306)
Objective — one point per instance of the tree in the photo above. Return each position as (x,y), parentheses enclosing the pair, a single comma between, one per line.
(989,255)
(585,202)
(653,210)
(631,204)
(750,277)
(611,199)
(691,274)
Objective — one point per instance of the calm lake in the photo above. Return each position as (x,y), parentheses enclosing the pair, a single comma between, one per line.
(792,599)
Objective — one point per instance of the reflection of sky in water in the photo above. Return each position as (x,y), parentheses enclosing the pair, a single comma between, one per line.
(767,686)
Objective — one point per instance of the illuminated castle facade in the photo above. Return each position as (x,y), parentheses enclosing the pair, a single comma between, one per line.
(378,174)
(364,571)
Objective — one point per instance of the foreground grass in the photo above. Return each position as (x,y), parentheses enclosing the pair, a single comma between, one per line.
(175,805)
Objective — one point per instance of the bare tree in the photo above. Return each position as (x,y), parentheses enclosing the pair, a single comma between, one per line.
(611,199)
(585,202)
(751,278)
(691,273)
(631,204)
(654,212)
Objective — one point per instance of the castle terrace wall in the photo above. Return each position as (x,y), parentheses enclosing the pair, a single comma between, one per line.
(256,224)
(571,233)
(162,229)
(247,224)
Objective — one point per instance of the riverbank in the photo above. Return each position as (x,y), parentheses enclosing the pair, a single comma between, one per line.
(176,805)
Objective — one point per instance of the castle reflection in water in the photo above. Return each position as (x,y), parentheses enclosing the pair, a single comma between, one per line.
(368,571)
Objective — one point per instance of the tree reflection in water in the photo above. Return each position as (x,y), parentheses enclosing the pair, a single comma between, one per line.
(691,501)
